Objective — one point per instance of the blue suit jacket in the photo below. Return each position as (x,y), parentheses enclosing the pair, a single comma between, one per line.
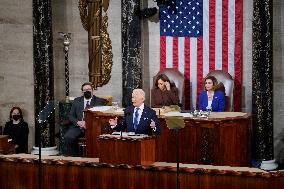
(218,103)
(144,124)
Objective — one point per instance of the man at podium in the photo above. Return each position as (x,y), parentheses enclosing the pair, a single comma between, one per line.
(138,118)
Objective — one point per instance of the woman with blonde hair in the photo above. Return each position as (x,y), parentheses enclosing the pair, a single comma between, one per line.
(211,98)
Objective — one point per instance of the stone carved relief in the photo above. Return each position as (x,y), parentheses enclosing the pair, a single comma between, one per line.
(100,49)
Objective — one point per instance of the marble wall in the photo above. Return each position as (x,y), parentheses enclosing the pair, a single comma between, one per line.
(278,71)
(16,60)
(16,55)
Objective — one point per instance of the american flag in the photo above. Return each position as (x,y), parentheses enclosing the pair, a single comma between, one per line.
(197,36)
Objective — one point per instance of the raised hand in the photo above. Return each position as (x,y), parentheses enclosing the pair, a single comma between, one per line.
(168,85)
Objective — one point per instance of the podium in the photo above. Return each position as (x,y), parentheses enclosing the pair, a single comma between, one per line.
(132,150)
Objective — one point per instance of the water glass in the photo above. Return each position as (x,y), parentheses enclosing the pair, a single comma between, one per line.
(115,105)
(209,109)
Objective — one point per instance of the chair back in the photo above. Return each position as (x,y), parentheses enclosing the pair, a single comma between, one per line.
(228,83)
(176,78)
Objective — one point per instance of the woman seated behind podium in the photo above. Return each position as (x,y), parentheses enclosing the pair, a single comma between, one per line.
(164,93)
(211,98)
(18,130)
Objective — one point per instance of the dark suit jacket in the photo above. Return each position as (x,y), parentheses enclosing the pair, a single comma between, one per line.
(144,123)
(76,112)
(218,102)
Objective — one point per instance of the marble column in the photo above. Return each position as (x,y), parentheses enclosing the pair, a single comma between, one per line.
(43,69)
(131,49)
(262,83)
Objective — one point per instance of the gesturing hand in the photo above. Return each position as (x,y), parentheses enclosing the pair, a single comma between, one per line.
(152,124)
(113,122)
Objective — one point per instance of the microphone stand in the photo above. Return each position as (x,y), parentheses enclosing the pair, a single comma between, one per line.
(177,158)
(176,123)
(39,156)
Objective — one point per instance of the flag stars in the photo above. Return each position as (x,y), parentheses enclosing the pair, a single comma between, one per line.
(180,19)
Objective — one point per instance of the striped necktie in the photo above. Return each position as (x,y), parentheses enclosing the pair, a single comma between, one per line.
(136,115)
(88,104)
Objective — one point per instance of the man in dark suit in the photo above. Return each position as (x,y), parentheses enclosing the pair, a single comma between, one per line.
(76,117)
(138,118)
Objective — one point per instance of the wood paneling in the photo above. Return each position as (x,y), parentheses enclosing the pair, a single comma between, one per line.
(22,172)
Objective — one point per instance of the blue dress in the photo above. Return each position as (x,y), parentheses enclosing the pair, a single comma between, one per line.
(218,102)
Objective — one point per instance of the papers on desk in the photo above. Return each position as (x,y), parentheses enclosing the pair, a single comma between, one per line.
(100,108)
(178,114)
(130,135)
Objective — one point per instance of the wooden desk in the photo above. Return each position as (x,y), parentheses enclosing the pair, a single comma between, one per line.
(222,139)
(5,146)
(126,150)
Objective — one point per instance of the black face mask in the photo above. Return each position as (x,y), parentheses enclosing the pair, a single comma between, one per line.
(87,94)
(16,117)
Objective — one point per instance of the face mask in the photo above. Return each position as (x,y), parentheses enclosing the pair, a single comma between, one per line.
(87,94)
(16,117)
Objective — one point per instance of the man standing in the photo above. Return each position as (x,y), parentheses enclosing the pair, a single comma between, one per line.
(76,116)
(138,118)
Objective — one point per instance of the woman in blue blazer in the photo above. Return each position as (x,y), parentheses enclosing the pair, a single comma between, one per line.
(210,98)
